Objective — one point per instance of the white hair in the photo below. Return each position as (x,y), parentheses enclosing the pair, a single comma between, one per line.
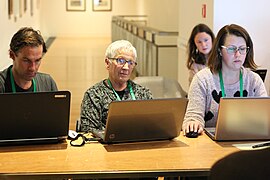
(114,49)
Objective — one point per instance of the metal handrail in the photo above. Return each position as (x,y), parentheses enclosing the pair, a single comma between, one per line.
(136,26)
(130,25)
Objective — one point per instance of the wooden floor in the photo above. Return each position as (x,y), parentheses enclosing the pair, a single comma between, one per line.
(76,64)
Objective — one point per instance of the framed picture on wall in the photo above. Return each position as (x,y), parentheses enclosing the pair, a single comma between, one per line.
(10,8)
(75,5)
(102,5)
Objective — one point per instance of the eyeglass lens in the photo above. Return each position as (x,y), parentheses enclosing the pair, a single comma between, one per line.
(233,49)
(121,61)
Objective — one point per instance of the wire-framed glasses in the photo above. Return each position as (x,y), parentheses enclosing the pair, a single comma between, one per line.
(233,49)
(122,62)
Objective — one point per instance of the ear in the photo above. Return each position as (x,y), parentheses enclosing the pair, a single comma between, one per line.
(219,52)
(107,62)
(12,55)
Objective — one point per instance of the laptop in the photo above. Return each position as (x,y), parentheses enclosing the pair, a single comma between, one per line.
(33,118)
(262,73)
(143,120)
(245,118)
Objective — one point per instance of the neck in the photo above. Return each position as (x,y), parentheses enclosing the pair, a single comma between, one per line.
(230,77)
(206,57)
(118,86)
(21,82)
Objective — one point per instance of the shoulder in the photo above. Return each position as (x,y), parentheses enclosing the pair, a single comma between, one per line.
(252,78)
(99,86)
(204,79)
(3,74)
(45,82)
(250,74)
(3,77)
(197,67)
(141,92)
(138,86)
(43,76)
(204,74)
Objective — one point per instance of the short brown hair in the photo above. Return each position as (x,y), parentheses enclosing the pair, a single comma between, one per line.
(26,36)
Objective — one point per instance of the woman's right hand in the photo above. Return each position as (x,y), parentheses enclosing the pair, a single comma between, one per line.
(195,126)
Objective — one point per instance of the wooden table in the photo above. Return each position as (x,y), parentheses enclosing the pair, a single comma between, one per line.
(179,157)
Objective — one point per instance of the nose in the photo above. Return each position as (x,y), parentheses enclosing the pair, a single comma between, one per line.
(126,66)
(204,44)
(32,65)
(237,53)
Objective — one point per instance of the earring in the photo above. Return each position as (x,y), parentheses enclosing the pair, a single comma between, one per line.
(219,52)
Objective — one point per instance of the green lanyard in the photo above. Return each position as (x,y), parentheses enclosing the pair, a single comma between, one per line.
(117,96)
(13,83)
(222,84)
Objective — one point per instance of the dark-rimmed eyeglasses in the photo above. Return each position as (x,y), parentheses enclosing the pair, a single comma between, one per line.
(233,49)
(122,62)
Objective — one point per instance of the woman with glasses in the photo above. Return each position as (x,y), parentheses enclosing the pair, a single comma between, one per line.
(120,60)
(199,47)
(229,74)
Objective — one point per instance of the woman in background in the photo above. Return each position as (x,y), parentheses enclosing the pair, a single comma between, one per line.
(199,47)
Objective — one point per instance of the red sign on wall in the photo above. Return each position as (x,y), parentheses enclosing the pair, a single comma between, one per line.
(204,11)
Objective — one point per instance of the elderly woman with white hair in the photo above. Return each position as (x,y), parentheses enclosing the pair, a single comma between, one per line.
(120,60)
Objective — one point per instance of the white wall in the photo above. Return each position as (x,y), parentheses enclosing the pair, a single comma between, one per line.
(162,14)
(56,21)
(9,26)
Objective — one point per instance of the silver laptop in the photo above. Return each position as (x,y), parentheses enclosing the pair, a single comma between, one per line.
(143,120)
(242,119)
(29,118)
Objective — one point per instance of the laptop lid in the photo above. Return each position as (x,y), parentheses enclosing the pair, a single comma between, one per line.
(144,120)
(262,73)
(243,119)
(28,118)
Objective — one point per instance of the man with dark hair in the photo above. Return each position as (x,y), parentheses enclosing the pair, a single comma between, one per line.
(26,50)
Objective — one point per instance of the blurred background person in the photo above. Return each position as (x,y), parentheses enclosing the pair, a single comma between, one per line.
(199,48)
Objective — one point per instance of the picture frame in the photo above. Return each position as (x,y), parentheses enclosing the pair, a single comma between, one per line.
(75,5)
(102,5)
(10,8)
(32,7)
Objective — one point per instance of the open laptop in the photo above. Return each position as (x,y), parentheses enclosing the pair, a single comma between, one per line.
(29,118)
(245,118)
(143,120)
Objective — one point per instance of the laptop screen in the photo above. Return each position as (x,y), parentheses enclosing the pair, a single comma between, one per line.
(262,73)
(143,120)
(27,117)
(243,119)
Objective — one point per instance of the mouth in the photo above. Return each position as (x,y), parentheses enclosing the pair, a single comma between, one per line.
(31,75)
(124,73)
(237,61)
(205,49)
